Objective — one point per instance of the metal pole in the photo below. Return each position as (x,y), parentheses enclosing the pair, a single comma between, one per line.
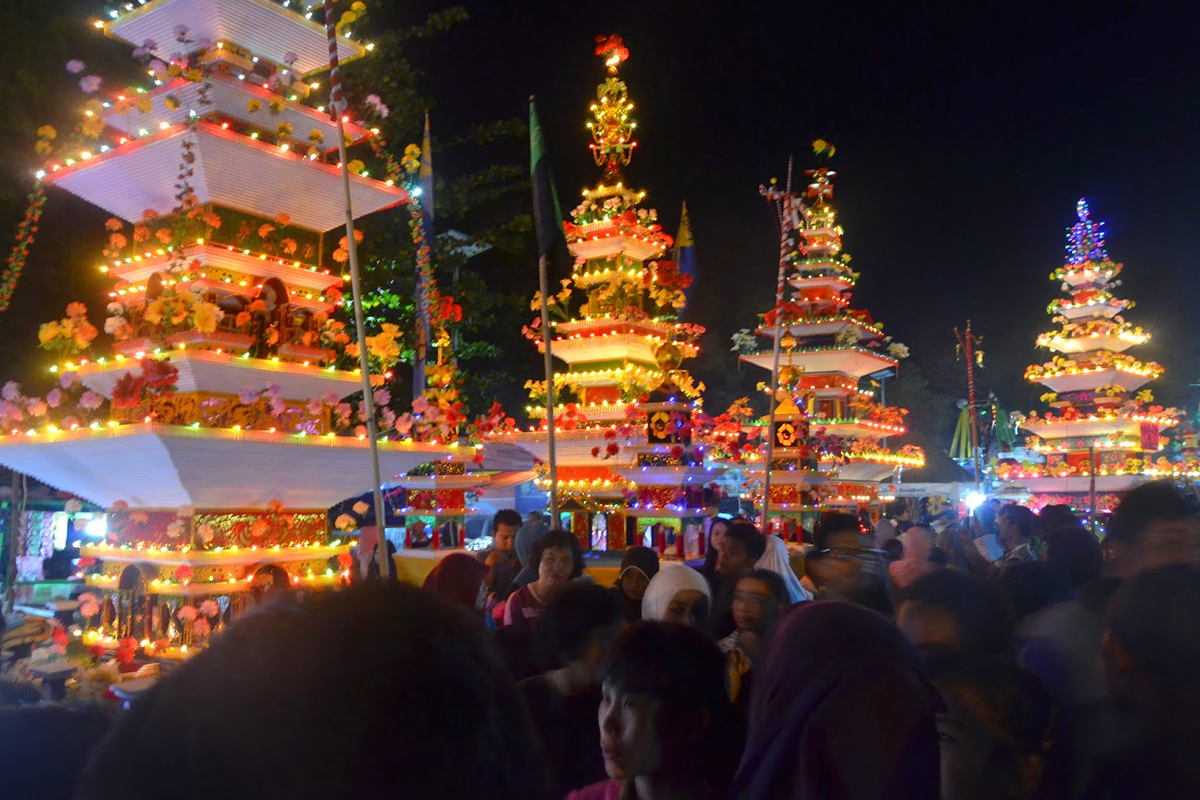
(967,342)
(544,280)
(363,362)
(780,282)
(1092,484)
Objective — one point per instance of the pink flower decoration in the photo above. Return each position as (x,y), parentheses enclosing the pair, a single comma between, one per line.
(38,407)
(383,397)
(314,406)
(201,627)
(90,401)
(89,83)
(68,379)
(247,396)
(209,608)
(330,398)
(11,391)
(54,398)
(157,65)
(75,66)
(187,613)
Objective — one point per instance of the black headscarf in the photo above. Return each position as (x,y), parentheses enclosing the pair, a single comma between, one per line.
(839,711)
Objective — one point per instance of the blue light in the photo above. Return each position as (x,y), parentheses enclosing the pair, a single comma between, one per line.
(416,192)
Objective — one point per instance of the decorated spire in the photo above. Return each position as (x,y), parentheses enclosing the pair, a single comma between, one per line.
(1085,239)
(612,128)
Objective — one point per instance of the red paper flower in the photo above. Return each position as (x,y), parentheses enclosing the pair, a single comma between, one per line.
(159,374)
(613,448)
(183,573)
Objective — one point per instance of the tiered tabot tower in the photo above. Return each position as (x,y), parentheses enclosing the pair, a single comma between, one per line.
(217,449)
(438,494)
(1100,410)
(615,311)
(671,485)
(829,349)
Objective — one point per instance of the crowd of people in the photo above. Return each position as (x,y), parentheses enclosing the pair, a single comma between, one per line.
(1008,655)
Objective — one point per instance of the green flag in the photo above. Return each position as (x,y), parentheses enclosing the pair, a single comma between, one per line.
(547,214)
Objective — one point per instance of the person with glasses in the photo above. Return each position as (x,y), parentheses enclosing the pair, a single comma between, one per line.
(845,566)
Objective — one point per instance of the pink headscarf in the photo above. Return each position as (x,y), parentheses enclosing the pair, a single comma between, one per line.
(915,563)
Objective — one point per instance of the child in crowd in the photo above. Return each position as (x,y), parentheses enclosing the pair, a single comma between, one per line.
(759,597)
(666,726)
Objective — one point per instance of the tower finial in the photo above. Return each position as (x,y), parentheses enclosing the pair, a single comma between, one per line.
(613,50)
(612,127)
(1085,239)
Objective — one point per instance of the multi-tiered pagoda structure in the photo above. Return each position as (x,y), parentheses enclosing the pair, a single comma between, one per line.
(216,422)
(613,314)
(828,348)
(1103,434)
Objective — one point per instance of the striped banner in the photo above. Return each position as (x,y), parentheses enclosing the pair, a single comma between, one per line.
(337,103)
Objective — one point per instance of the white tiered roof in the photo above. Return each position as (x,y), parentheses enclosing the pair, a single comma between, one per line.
(230,169)
(217,256)
(850,361)
(168,466)
(230,97)
(226,373)
(265,28)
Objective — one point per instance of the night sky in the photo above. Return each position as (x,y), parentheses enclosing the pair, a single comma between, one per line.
(964,138)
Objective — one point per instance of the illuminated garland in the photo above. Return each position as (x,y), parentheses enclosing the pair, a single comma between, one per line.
(19,254)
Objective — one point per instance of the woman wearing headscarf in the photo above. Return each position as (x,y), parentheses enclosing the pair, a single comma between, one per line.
(458,578)
(639,565)
(680,594)
(839,711)
(915,561)
(776,559)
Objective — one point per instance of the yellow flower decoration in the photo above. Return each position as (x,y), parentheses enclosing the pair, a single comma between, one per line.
(171,102)
(276,105)
(145,104)
(254,105)
(315,136)
(48,332)
(154,311)
(283,129)
(206,316)
(47,132)
(92,127)
(356,166)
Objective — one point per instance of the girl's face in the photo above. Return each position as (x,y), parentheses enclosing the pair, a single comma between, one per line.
(688,607)
(555,567)
(634,583)
(717,534)
(629,734)
(754,607)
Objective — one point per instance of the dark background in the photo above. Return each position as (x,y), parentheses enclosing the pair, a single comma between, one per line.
(964,135)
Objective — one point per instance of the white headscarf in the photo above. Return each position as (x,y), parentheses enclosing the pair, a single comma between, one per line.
(670,581)
(775,558)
